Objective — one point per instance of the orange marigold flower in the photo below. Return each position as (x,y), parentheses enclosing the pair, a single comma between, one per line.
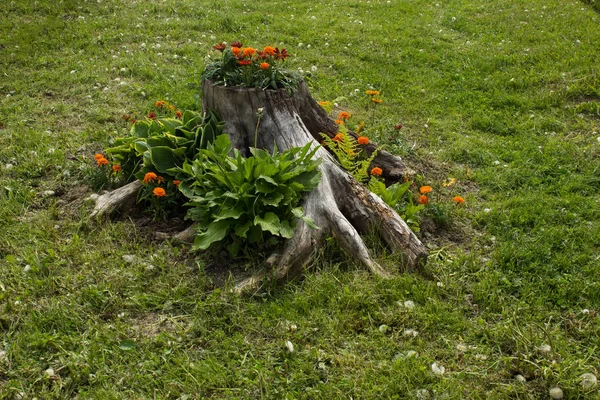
(376,171)
(423,199)
(248,51)
(236,51)
(116,168)
(244,62)
(458,200)
(375,100)
(264,65)
(160,104)
(178,114)
(160,179)
(372,92)
(338,137)
(159,192)
(362,140)
(102,161)
(269,50)
(344,115)
(339,121)
(425,189)
(324,103)
(172,107)
(149,177)
(176,182)
(98,156)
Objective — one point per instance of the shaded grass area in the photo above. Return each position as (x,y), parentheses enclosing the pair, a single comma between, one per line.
(504,96)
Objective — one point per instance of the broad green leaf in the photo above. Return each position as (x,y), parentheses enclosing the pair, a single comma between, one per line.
(233,213)
(170,124)
(270,223)
(272,199)
(286,230)
(164,158)
(215,232)
(140,129)
(265,184)
(242,229)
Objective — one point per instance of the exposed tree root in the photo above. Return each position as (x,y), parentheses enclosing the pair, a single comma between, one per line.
(111,201)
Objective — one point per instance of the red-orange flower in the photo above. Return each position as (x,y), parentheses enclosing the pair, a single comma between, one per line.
(116,168)
(176,182)
(102,161)
(338,137)
(98,156)
(458,200)
(362,140)
(248,51)
(423,199)
(398,127)
(344,115)
(178,114)
(236,51)
(219,46)
(375,100)
(339,121)
(171,107)
(372,92)
(160,104)
(149,177)
(376,171)
(264,65)
(160,179)
(281,55)
(152,115)
(126,117)
(244,62)
(269,50)
(425,189)
(237,43)
(159,192)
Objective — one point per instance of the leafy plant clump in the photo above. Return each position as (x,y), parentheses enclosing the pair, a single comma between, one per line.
(249,67)
(241,201)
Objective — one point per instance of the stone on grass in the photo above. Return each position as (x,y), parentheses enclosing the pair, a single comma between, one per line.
(437,369)
(556,393)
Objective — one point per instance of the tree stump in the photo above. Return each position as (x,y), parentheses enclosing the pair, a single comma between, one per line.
(340,205)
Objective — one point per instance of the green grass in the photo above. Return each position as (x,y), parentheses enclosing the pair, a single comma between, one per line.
(504,96)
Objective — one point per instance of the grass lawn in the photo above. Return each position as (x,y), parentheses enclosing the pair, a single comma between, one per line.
(504,96)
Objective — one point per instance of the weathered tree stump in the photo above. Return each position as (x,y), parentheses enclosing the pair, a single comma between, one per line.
(340,206)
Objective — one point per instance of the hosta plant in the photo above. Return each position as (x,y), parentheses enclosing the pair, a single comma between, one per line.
(252,201)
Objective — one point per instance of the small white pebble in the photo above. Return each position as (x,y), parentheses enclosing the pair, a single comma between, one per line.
(437,369)
(49,372)
(482,357)
(556,393)
(293,327)
(290,346)
(588,380)
(409,304)
(121,315)
(313,68)
(26,268)
(461,347)
(49,193)
(8,166)
(496,162)
(545,348)
(486,210)
(520,378)
(585,311)
(411,353)
(129,258)
(411,333)
(300,44)
(123,69)
(440,284)
(383,328)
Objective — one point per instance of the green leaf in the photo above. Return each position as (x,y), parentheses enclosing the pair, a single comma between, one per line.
(164,158)
(242,230)
(265,184)
(127,345)
(140,129)
(286,230)
(233,213)
(170,124)
(269,223)
(215,232)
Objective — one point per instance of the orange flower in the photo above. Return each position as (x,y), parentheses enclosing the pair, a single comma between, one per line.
(160,104)
(376,171)
(458,200)
(344,115)
(360,126)
(339,122)
(375,100)
(264,65)
(338,137)
(178,114)
(425,189)
(219,46)
(159,192)
(176,182)
(172,107)
(372,92)
(248,51)
(116,168)
(149,177)
(423,199)
(98,156)
(362,140)
(160,179)
(244,62)
(269,50)
(236,51)
(102,161)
